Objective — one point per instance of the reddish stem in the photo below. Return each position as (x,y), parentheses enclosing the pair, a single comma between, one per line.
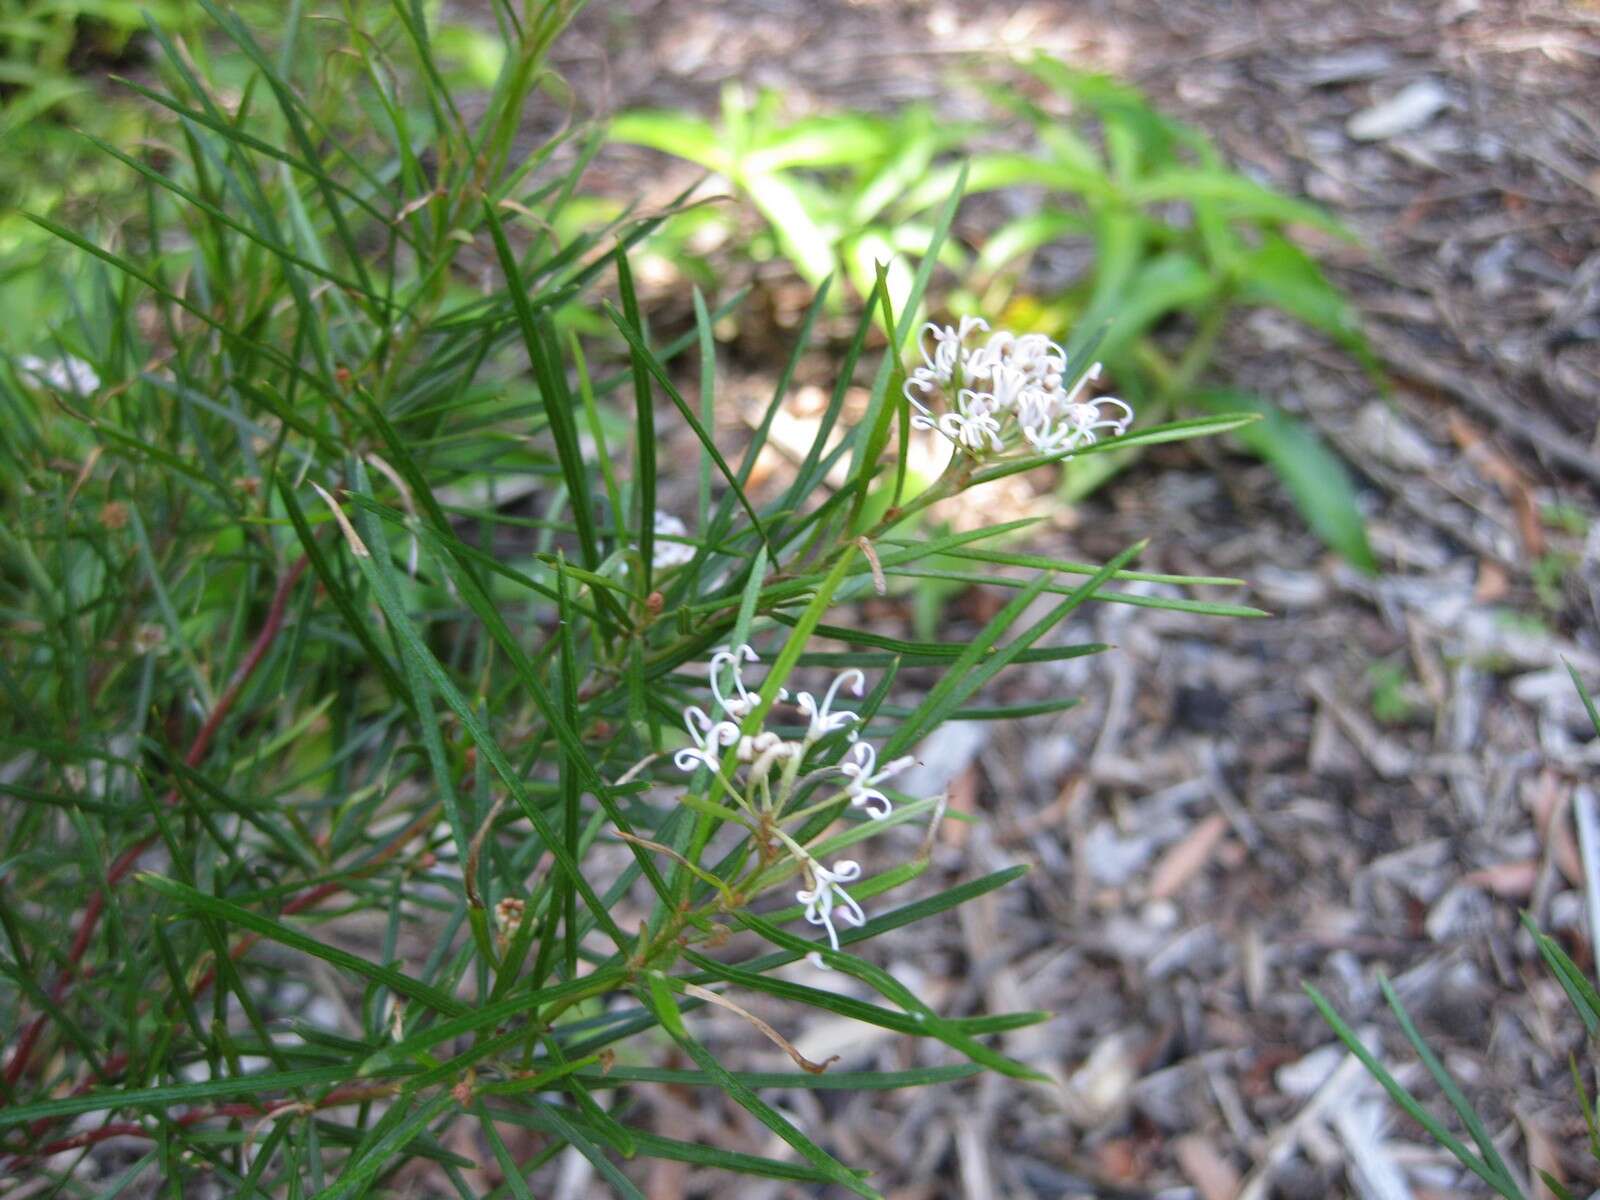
(128,859)
(316,895)
(90,1137)
(116,1063)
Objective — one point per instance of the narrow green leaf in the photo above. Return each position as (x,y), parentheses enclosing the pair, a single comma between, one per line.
(233,914)
(1135,599)
(1583,995)
(380,1154)
(1172,431)
(698,1153)
(400,622)
(173,1095)
(891,989)
(847,1081)
(644,438)
(471,1021)
(661,377)
(540,343)
(1447,1084)
(665,1006)
(1401,1096)
(1583,693)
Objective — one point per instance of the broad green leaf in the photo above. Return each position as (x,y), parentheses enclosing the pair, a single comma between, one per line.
(1242,197)
(1316,478)
(1024,235)
(1168,283)
(675,133)
(801,230)
(832,140)
(1280,274)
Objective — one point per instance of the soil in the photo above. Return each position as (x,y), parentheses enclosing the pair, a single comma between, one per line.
(1370,784)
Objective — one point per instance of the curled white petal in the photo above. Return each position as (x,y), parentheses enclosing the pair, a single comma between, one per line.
(924,382)
(823,720)
(690,759)
(973,425)
(948,355)
(738,705)
(860,766)
(825,899)
(710,739)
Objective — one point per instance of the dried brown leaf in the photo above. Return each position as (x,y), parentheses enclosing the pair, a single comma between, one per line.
(1188,858)
(1203,1165)
(1508,880)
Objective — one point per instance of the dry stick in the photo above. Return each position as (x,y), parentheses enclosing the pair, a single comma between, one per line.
(771,1034)
(1588,822)
(129,858)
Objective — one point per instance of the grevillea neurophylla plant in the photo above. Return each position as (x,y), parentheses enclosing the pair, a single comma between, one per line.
(476,810)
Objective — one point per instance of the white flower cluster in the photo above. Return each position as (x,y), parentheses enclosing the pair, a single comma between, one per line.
(1011,385)
(667,555)
(771,766)
(67,374)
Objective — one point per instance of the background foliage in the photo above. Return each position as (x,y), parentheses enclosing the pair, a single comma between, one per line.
(1173,242)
